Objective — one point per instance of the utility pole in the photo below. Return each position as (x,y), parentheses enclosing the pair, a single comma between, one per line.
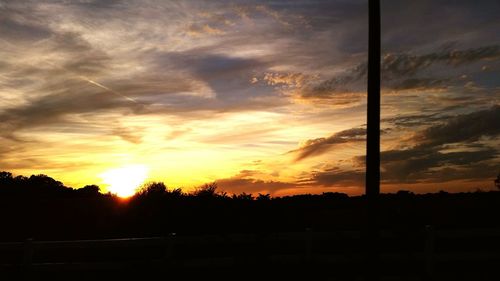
(373,140)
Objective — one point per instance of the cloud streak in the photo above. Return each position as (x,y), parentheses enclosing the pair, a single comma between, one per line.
(432,150)
(319,146)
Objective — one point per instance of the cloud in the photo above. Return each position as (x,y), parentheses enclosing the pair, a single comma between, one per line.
(16,26)
(331,179)
(421,84)
(424,24)
(427,164)
(413,120)
(201,30)
(395,65)
(460,147)
(319,146)
(131,135)
(433,150)
(440,70)
(400,71)
(344,89)
(106,68)
(312,88)
(463,128)
(336,176)
(246,182)
(288,80)
(53,109)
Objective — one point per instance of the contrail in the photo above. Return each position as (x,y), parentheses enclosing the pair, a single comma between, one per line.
(86,79)
(108,89)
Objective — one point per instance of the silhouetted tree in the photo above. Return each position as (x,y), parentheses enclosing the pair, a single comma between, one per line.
(5,176)
(243,196)
(153,189)
(89,190)
(45,185)
(264,197)
(497,181)
(405,193)
(30,211)
(206,190)
(335,195)
(175,193)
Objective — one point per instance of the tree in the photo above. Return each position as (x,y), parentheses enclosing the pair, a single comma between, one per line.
(264,197)
(89,190)
(153,189)
(5,176)
(243,196)
(46,186)
(207,190)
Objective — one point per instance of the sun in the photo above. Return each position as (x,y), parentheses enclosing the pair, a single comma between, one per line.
(125,180)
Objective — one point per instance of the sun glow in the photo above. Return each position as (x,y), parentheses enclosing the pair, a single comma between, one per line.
(124,181)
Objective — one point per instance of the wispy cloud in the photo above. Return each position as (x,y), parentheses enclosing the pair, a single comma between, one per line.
(214,85)
(319,146)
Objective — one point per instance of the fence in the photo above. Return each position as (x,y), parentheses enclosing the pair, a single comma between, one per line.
(425,249)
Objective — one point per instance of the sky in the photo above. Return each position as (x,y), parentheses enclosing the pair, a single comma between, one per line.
(259,96)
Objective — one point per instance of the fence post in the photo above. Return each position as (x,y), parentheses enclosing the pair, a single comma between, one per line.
(429,250)
(169,247)
(308,241)
(28,254)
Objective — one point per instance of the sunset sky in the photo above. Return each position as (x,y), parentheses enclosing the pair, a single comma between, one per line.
(260,96)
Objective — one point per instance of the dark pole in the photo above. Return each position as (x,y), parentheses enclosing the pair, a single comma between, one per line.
(373,107)
(373,140)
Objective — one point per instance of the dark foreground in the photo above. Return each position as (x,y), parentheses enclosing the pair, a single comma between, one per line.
(49,230)
(309,255)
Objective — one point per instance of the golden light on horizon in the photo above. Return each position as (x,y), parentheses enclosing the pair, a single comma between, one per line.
(125,180)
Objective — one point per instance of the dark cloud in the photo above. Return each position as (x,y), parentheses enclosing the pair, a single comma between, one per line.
(97,4)
(209,66)
(421,84)
(336,87)
(336,176)
(53,109)
(450,147)
(396,65)
(471,172)
(413,24)
(429,155)
(17,30)
(225,75)
(319,146)
(426,164)
(463,128)
(413,120)
(245,182)
(406,71)
(21,23)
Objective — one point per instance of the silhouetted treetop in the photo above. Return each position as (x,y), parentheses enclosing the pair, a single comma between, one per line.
(208,190)
(152,189)
(89,190)
(42,207)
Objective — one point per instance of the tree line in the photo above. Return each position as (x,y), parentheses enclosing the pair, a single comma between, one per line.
(41,207)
